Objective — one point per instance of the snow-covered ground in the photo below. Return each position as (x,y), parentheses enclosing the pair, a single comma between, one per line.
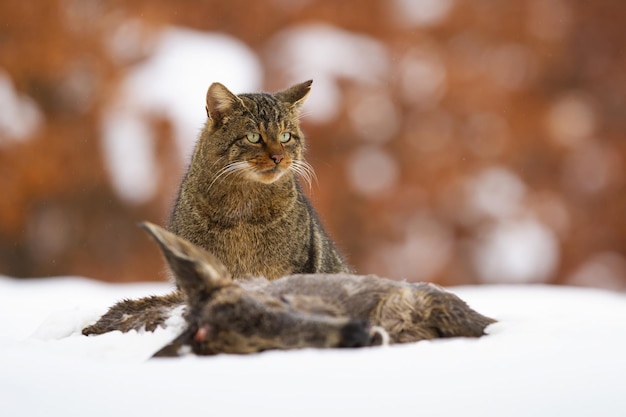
(555,352)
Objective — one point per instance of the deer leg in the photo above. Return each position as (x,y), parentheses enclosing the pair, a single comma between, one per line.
(145,313)
(448,315)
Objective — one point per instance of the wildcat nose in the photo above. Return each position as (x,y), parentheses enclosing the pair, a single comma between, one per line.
(277,157)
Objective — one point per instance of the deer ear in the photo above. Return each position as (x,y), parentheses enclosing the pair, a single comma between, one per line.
(177,347)
(220,102)
(296,94)
(197,271)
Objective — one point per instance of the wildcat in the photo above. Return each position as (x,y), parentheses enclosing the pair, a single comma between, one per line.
(240,197)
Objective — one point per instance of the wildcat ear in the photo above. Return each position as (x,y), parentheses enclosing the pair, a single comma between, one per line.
(197,271)
(296,94)
(219,102)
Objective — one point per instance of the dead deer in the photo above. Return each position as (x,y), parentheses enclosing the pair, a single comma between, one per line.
(296,311)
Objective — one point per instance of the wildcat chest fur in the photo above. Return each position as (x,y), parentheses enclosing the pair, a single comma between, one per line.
(240,197)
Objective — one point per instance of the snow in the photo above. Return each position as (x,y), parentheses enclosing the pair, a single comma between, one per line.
(372,171)
(555,351)
(327,55)
(421,12)
(518,251)
(496,192)
(425,250)
(16,106)
(423,76)
(515,247)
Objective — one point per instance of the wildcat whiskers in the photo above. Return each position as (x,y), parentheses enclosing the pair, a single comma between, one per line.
(239,167)
(305,171)
(302,115)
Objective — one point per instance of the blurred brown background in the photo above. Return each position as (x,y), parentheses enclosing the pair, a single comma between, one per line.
(455,141)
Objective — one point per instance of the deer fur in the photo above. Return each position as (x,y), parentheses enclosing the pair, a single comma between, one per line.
(295,311)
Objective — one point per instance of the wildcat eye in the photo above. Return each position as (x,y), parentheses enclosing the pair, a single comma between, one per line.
(253,137)
(285,137)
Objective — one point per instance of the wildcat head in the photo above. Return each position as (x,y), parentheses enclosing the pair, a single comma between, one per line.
(256,137)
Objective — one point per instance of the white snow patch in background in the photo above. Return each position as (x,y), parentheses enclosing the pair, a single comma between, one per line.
(604,269)
(129,153)
(16,107)
(424,251)
(372,171)
(590,168)
(420,12)
(422,77)
(172,83)
(327,55)
(517,251)
(547,356)
(513,246)
(495,192)
(374,117)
